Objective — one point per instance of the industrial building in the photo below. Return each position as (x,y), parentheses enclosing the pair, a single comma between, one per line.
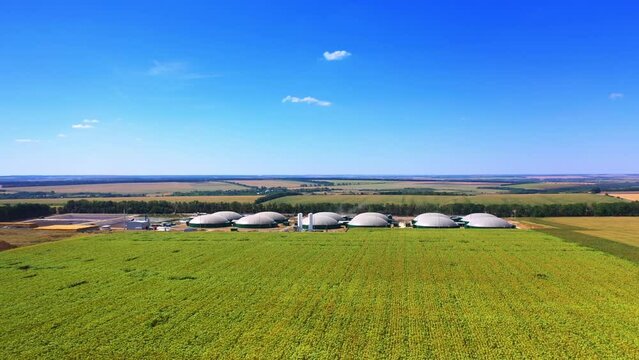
(370,219)
(208,221)
(256,221)
(138,224)
(433,220)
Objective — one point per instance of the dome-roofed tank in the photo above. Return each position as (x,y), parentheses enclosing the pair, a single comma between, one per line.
(472,216)
(333,215)
(369,220)
(229,215)
(279,218)
(489,222)
(428,215)
(434,220)
(321,222)
(376,214)
(208,221)
(256,221)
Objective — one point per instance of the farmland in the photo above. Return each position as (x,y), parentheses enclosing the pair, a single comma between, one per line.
(484,199)
(213,199)
(360,294)
(632,196)
(469,187)
(134,188)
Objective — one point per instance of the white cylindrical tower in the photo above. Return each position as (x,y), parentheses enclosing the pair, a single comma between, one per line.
(310,221)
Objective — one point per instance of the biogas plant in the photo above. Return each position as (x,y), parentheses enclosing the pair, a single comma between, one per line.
(325,221)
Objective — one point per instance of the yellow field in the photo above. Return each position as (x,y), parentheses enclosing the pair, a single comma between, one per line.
(531,199)
(135,188)
(632,196)
(216,199)
(620,229)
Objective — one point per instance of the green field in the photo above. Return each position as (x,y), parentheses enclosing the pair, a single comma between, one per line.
(439,186)
(486,199)
(361,294)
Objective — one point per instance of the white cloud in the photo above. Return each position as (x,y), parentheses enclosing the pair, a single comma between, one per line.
(81,126)
(163,68)
(90,121)
(306,100)
(615,95)
(26,141)
(336,55)
(176,69)
(62,135)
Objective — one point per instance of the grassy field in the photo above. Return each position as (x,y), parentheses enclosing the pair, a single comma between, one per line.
(135,188)
(216,199)
(441,186)
(533,199)
(23,237)
(361,294)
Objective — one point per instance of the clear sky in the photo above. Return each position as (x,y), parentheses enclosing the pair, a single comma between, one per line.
(319,87)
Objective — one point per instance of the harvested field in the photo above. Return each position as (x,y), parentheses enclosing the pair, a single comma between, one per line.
(214,199)
(135,188)
(24,237)
(289,184)
(632,196)
(531,199)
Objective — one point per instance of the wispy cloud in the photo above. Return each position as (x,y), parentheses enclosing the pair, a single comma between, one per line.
(336,55)
(62,135)
(86,124)
(176,69)
(615,96)
(26,141)
(163,68)
(306,100)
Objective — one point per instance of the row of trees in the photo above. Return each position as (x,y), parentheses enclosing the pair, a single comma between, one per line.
(166,207)
(24,211)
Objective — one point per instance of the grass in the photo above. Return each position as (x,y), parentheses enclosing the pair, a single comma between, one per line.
(614,235)
(361,294)
(215,199)
(531,199)
(135,188)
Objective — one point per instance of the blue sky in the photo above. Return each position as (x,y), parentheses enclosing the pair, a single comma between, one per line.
(442,87)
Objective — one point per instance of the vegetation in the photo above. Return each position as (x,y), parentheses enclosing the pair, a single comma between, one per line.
(614,235)
(23,211)
(360,294)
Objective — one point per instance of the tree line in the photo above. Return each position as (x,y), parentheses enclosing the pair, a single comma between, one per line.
(166,207)
(24,211)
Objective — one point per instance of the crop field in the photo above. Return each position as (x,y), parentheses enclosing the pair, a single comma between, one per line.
(531,199)
(213,199)
(616,235)
(360,294)
(289,184)
(632,196)
(549,185)
(386,185)
(135,188)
